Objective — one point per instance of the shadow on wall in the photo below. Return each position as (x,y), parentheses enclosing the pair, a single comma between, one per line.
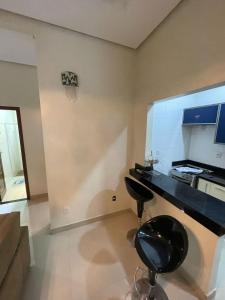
(97,177)
(102,202)
(195,259)
(86,140)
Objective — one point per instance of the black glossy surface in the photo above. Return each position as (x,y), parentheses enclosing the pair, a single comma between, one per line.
(216,170)
(207,210)
(212,178)
(162,244)
(217,176)
(137,190)
(139,193)
(200,115)
(220,130)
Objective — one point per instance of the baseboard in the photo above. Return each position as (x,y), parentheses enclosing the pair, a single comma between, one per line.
(39,196)
(88,221)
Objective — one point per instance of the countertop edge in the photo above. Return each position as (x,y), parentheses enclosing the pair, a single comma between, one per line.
(211,225)
(213,178)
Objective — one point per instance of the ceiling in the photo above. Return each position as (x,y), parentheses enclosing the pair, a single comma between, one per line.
(126,22)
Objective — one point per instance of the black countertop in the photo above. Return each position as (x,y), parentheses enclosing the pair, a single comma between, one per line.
(207,210)
(217,175)
(213,178)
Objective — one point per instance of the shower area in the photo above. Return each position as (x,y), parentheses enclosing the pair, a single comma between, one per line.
(12,177)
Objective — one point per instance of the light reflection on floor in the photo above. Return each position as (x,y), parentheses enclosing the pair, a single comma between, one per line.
(16,189)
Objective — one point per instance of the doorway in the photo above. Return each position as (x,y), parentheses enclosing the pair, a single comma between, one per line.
(14,185)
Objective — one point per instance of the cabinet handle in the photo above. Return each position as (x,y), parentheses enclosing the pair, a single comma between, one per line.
(197,116)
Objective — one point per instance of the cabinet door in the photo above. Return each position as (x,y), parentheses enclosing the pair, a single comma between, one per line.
(217,191)
(220,131)
(200,115)
(204,186)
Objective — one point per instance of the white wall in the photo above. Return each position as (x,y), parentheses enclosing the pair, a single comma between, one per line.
(87,140)
(17,47)
(185,53)
(86,137)
(170,141)
(202,147)
(19,87)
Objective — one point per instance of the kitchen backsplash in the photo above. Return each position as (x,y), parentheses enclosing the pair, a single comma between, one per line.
(203,149)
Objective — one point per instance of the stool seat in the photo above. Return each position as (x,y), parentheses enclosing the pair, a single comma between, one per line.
(141,194)
(162,244)
(137,190)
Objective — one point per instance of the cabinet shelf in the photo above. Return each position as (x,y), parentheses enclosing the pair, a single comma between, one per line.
(204,115)
(220,129)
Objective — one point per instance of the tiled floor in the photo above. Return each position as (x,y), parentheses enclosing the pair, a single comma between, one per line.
(16,189)
(90,262)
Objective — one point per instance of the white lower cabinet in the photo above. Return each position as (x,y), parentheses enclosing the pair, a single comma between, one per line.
(212,189)
(204,186)
(217,191)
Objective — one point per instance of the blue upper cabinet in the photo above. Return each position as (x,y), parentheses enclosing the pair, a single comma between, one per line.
(200,115)
(220,131)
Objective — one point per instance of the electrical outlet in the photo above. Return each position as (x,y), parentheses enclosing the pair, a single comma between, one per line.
(66,210)
(219,154)
(114,198)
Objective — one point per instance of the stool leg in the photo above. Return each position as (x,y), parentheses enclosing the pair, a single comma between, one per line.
(152,277)
(152,281)
(139,222)
(140,209)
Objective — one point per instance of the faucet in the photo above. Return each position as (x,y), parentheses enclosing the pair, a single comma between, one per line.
(150,161)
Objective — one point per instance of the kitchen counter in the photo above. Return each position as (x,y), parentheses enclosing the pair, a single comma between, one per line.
(213,178)
(216,175)
(205,209)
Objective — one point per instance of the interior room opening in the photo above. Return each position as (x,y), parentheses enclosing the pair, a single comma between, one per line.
(170,138)
(13,181)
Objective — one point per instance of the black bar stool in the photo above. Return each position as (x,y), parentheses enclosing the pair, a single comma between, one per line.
(141,194)
(162,245)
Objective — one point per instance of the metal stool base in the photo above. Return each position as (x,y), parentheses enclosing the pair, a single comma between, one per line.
(156,292)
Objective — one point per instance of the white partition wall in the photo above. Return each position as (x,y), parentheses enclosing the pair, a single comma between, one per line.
(17,47)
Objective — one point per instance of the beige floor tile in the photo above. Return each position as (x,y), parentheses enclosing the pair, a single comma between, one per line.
(93,262)
(16,189)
